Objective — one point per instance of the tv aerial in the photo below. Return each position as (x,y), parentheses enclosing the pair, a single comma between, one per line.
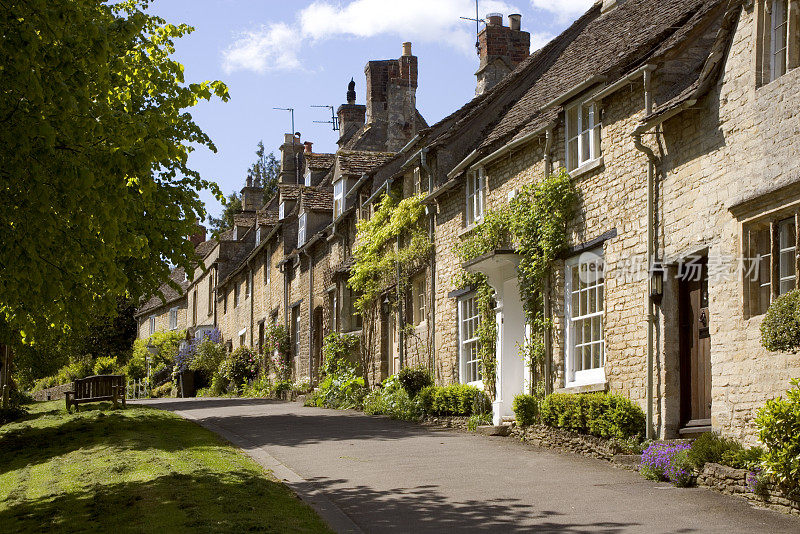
(334,119)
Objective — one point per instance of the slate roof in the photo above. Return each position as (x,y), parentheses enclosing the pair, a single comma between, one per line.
(244,219)
(358,162)
(317,199)
(289,191)
(170,294)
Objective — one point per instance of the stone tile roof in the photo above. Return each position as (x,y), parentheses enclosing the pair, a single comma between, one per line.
(612,44)
(167,294)
(289,191)
(317,199)
(320,161)
(244,219)
(358,162)
(204,249)
(267,217)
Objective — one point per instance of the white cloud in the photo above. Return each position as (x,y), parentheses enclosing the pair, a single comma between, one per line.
(272,47)
(565,9)
(277,46)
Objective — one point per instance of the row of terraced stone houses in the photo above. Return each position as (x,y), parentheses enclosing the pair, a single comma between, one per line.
(677,121)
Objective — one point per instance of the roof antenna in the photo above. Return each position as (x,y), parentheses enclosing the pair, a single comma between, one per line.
(478,21)
(334,119)
(295,137)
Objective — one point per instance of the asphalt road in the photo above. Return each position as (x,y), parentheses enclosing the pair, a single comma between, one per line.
(372,474)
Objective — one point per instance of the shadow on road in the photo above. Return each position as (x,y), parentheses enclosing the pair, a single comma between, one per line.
(426,509)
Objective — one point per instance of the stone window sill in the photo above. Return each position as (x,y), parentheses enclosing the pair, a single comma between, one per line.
(469,228)
(586,168)
(584,388)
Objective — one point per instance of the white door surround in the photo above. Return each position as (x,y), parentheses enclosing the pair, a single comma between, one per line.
(500,268)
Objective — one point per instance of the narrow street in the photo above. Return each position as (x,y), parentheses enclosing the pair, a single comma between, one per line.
(377,475)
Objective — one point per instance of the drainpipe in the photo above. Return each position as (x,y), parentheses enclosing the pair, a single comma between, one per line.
(548,146)
(310,316)
(637,140)
(252,298)
(423,159)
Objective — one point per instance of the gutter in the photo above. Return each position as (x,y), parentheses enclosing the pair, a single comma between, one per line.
(619,84)
(357,185)
(410,143)
(514,144)
(463,164)
(578,89)
(386,185)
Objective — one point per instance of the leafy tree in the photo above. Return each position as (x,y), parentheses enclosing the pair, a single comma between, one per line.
(96,196)
(230,207)
(265,171)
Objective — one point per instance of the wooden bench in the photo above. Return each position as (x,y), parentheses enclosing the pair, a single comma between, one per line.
(95,389)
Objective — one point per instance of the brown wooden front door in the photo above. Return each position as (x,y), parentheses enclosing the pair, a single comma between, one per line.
(695,347)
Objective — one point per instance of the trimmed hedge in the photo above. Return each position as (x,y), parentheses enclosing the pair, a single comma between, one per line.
(458,399)
(598,414)
(780,329)
(413,379)
(526,409)
(778,424)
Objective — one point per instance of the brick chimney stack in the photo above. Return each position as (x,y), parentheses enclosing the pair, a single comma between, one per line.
(351,115)
(500,49)
(199,235)
(392,97)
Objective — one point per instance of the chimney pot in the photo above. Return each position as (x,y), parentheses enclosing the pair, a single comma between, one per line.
(494,19)
(515,21)
(406,49)
(308,145)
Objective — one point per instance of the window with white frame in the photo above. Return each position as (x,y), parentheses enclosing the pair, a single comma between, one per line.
(417,179)
(778,38)
(173,319)
(267,267)
(301,229)
(242,337)
(236,294)
(584,305)
(296,330)
(468,320)
(772,261)
(338,198)
(282,210)
(248,285)
(210,293)
(258,235)
(476,195)
(583,134)
(307,177)
(152,321)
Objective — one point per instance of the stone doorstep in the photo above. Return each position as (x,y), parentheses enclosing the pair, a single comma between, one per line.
(492,430)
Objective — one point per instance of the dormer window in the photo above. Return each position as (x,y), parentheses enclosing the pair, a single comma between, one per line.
(417,178)
(338,198)
(307,177)
(301,229)
(258,235)
(583,135)
(235,233)
(282,210)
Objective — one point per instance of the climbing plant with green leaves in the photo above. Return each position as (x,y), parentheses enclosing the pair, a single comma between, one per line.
(390,247)
(534,224)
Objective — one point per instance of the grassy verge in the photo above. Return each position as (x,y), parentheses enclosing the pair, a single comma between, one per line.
(135,470)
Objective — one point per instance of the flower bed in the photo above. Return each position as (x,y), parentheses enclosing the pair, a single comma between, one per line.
(741,482)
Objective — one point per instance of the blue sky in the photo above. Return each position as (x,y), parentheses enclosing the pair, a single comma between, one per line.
(297,54)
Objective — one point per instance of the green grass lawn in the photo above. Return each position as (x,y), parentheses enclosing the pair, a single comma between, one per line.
(135,470)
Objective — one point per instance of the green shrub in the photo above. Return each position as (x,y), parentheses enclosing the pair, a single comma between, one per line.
(457,399)
(282,386)
(599,414)
(219,385)
(164,390)
(413,379)
(526,409)
(261,387)
(105,365)
(393,400)
(680,472)
(778,424)
(338,353)
(240,366)
(136,368)
(710,447)
(780,329)
(742,458)
(208,357)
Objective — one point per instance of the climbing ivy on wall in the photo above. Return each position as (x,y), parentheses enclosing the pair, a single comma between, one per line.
(534,224)
(390,247)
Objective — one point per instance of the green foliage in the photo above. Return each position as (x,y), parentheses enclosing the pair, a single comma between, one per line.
(457,399)
(98,195)
(780,329)
(239,367)
(338,353)
(164,390)
(680,471)
(167,345)
(478,419)
(105,365)
(231,205)
(208,356)
(264,170)
(136,368)
(742,458)
(598,414)
(392,399)
(413,379)
(526,409)
(710,447)
(778,424)
(261,387)
(342,388)
(534,224)
(79,368)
